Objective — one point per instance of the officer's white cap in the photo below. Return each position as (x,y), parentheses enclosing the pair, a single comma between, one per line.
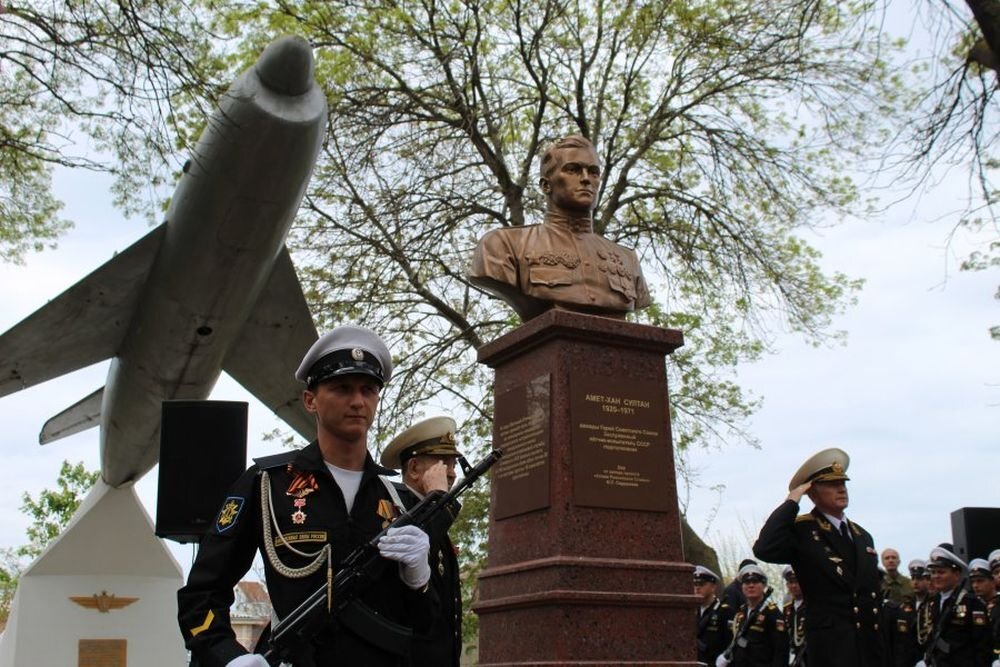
(749,570)
(943,556)
(979,567)
(430,437)
(994,559)
(829,465)
(347,350)
(702,573)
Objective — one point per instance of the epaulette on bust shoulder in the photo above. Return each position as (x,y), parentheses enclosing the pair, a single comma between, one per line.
(275,460)
(771,605)
(804,517)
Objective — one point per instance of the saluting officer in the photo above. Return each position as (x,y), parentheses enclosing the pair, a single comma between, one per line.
(305,511)
(714,616)
(759,638)
(922,593)
(836,564)
(795,619)
(416,451)
(961,633)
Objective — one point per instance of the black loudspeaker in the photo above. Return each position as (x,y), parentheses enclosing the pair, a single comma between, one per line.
(975,531)
(203,449)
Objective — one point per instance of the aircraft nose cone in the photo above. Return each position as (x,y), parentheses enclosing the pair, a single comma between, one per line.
(286,66)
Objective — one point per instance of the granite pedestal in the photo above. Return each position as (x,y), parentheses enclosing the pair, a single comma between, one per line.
(585,564)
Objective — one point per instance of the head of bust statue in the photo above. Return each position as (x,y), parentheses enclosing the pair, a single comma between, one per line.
(570,176)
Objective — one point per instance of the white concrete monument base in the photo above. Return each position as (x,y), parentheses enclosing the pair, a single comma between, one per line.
(104,593)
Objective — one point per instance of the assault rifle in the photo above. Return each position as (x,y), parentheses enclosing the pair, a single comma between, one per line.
(338,598)
(740,635)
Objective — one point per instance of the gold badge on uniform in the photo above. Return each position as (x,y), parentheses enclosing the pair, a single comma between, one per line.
(387,511)
(230,511)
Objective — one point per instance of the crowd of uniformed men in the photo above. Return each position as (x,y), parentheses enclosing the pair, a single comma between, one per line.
(839,607)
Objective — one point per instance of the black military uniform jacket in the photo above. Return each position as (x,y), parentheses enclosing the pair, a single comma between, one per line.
(441,646)
(839,580)
(899,626)
(961,636)
(310,512)
(760,641)
(795,624)
(714,630)
(993,609)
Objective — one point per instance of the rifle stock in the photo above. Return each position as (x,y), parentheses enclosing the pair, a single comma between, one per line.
(360,565)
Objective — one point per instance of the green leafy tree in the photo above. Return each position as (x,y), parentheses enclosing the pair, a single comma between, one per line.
(52,510)
(92,84)
(50,513)
(953,118)
(725,128)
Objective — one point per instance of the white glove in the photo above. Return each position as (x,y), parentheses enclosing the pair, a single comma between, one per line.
(409,545)
(920,663)
(248,660)
(996,663)
(719,662)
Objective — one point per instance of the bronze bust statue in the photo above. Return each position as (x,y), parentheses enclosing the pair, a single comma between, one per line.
(562,263)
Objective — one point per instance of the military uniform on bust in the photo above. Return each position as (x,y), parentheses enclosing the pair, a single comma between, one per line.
(961,634)
(411,451)
(795,619)
(759,635)
(714,617)
(306,511)
(836,564)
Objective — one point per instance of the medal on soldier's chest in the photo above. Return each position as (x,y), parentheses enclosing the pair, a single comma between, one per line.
(302,485)
(298,516)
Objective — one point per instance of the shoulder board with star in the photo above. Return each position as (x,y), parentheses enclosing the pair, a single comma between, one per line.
(771,605)
(275,460)
(788,605)
(804,517)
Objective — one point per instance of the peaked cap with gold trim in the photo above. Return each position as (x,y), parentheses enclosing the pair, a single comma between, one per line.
(829,465)
(430,437)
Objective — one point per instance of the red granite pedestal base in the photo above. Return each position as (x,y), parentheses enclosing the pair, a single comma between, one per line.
(585,556)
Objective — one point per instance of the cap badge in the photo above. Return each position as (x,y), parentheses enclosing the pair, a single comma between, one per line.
(837,468)
(358,354)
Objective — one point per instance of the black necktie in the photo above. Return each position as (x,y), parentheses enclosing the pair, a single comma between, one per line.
(845,531)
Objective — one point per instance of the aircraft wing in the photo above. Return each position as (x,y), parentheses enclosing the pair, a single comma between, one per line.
(91,317)
(274,339)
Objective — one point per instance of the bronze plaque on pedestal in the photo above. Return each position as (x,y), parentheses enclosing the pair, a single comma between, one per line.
(102,653)
(521,430)
(619,440)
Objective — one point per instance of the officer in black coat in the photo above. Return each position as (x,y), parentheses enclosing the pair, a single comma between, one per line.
(836,564)
(714,616)
(960,635)
(415,451)
(759,637)
(305,511)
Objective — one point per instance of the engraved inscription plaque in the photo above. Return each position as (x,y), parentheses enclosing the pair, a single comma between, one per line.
(619,442)
(102,653)
(521,430)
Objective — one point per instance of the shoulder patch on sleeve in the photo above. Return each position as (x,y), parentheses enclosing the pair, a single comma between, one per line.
(804,517)
(229,514)
(275,460)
